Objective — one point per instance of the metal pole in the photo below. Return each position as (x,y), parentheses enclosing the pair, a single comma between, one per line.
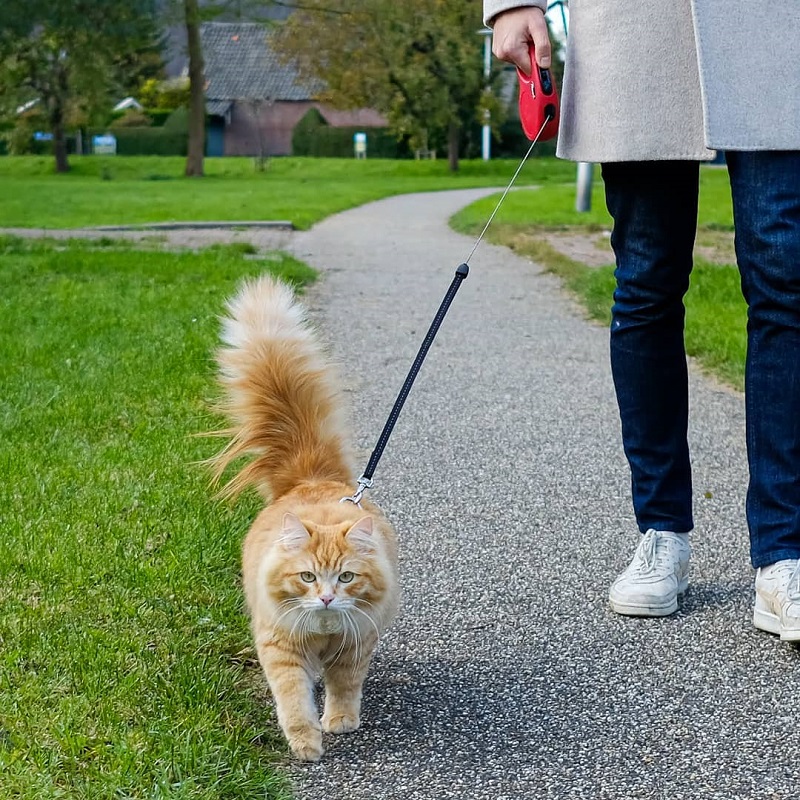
(486,130)
(583,197)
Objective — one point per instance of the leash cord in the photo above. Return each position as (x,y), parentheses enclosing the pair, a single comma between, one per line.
(461,273)
(508,189)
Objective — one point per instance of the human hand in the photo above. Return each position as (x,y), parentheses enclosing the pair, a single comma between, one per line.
(514,30)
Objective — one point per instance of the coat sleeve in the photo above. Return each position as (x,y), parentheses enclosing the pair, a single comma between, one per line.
(491,8)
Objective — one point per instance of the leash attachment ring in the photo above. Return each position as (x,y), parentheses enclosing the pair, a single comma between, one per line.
(355,498)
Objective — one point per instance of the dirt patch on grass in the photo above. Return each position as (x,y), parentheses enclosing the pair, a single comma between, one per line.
(716,247)
(593,248)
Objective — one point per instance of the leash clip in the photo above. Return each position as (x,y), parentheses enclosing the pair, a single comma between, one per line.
(363,485)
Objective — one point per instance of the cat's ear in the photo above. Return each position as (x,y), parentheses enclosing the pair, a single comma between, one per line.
(294,534)
(360,535)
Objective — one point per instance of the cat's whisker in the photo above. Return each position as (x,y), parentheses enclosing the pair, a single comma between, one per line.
(292,606)
(302,624)
(359,640)
(343,644)
(360,646)
(371,621)
(288,605)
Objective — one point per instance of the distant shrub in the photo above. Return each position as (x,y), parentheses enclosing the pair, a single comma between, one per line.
(150,142)
(512,142)
(147,141)
(132,119)
(313,136)
(19,139)
(177,122)
(169,94)
(159,115)
(305,132)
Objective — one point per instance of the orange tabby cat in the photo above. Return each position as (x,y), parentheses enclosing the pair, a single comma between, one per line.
(320,576)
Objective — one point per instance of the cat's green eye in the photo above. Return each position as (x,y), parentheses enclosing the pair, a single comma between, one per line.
(346,577)
(308,577)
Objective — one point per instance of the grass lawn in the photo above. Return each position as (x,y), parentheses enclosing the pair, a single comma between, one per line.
(125,659)
(715,311)
(109,190)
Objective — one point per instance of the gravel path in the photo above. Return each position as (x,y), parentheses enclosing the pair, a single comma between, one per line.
(506,676)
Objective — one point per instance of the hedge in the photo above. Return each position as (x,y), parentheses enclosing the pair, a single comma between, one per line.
(313,136)
(158,115)
(147,141)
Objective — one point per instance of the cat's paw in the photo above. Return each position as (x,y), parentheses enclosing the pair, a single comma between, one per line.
(307,746)
(340,723)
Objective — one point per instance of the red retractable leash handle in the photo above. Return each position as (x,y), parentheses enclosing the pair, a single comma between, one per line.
(538,101)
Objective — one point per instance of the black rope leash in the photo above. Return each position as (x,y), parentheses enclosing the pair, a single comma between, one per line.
(365,481)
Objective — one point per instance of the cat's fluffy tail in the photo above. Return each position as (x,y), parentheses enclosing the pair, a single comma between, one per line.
(280,395)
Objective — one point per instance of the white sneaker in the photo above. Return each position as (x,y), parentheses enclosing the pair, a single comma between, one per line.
(777,608)
(658,573)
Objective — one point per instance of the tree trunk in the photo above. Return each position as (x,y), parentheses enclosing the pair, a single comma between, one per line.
(453,138)
(60,147)
(55,105)
(197,91)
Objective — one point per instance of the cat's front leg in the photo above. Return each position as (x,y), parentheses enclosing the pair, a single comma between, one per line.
(292,688)
(344,680)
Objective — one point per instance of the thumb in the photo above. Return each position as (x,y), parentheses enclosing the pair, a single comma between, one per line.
(541,41)
(515,30)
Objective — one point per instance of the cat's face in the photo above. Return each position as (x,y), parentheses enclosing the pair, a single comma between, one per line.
(327,578)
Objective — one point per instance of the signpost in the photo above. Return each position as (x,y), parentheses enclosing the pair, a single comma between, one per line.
(105,145)
(360,144)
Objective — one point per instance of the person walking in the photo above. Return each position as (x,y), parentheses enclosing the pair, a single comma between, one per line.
(652,89)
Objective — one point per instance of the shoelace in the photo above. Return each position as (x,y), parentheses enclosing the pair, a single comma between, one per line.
(789,572)
(647,550)
(653,550)
(793,587)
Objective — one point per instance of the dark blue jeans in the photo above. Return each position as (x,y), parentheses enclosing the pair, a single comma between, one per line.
(654,206)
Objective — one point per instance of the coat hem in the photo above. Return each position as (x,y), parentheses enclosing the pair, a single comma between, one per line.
(706,155)
(760,147)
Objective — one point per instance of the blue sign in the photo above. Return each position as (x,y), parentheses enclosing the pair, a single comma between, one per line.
(104,145)
(360,144)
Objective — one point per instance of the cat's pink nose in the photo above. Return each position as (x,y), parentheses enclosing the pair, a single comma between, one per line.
(327,599)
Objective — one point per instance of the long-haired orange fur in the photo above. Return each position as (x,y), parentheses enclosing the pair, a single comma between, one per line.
(320,576)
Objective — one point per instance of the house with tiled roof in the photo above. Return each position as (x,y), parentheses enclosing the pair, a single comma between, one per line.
(254,101)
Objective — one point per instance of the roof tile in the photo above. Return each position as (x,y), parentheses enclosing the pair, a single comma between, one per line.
(240,64)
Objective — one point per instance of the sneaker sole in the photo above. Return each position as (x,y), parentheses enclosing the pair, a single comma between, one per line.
(649,609)
(769,622)
(765,621)
(639,610)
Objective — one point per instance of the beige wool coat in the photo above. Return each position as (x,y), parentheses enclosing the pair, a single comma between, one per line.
(676,79)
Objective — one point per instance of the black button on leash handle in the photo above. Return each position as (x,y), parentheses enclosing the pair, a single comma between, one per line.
(461,273)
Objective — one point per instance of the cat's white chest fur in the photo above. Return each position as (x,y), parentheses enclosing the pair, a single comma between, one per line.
(327,622)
